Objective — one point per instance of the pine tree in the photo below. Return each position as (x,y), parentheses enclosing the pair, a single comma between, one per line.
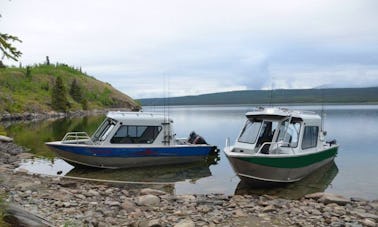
(28,72)
(75,91)
(59,99)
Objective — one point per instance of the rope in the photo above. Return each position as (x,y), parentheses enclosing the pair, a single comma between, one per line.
(110,181)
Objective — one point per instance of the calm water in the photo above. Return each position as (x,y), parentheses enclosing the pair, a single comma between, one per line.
(353,174)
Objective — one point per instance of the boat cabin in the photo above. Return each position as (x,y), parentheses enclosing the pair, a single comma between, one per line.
(280,131)
(123,128)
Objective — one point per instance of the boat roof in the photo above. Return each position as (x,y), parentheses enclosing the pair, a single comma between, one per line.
(272,112)
(147,117)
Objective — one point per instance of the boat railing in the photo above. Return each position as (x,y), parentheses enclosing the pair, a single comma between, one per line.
(77,137)
(274,146)
(227,145)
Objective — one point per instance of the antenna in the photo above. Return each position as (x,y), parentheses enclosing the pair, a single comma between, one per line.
(322,109)
(271,95)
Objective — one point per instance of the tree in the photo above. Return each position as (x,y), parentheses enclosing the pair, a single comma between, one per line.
(75,91)
(6,47)
(59,99)
(28,72)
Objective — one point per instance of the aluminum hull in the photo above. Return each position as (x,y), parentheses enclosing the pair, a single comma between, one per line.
(128,157)
(268,169)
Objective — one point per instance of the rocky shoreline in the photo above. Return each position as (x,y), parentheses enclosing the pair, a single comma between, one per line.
(36,116)
(27,116)
(66,202)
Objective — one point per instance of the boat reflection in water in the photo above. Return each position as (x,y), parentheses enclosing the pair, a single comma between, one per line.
(318,181)
(162,177)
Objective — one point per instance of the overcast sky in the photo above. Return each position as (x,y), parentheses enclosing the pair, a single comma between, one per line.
(163,48)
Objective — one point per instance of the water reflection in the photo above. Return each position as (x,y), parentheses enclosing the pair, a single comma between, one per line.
(317,181)
(164,173)
(355,128)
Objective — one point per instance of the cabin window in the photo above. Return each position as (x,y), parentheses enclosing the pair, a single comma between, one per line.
(310,137)
(289,133)
(104,129)
(250,132)
(129,134)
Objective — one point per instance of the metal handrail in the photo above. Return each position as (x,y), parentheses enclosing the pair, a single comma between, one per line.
(227,145)
(279,144)
(76,137)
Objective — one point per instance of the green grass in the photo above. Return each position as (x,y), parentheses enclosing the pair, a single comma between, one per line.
(22,93)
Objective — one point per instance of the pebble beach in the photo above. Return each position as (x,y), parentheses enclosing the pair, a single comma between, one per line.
(60,201)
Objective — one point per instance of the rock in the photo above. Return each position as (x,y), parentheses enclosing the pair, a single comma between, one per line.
(109,191)
(366,215)
(239,213)
(125,192)
(128,205)
(25,155)
(80,196)
(357,199)
(187,198)
(25,185)
(368,222)
(154,223)
(92,192)
(148,200)
(269,208)
(185,223)
(22,170)
(5,139)
(149,191)
(113,203)
(204,209)
(331,198)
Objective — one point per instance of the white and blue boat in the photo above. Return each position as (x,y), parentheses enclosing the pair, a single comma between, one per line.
(131,139)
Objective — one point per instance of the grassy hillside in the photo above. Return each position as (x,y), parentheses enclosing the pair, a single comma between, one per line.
(295,96)
(31,92)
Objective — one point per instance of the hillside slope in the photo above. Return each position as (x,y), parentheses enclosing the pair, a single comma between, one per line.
(32,92)
(295,96)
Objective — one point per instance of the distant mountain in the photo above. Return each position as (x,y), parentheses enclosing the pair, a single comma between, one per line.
(30,90)
(289,96)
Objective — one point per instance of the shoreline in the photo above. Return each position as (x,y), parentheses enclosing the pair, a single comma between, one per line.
(69,202)
(37,116)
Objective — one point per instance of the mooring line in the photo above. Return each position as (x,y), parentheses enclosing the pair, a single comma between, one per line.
(110,181)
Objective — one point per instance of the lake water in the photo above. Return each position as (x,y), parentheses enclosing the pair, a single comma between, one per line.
(353,174)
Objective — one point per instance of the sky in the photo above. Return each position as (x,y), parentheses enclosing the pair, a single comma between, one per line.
(161,48)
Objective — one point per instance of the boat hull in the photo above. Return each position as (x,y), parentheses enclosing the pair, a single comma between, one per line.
(128,157)
(270,170)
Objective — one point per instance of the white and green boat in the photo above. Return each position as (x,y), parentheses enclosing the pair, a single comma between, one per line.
(278,145)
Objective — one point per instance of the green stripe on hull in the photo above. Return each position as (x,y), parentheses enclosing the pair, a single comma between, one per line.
(294,161)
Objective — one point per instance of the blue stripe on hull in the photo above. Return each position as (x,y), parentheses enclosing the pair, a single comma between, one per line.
(135,152)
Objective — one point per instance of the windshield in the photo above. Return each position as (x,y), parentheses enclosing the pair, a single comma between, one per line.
(103,131)
(250,132)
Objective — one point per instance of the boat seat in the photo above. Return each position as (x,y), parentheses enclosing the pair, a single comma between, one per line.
(265,149)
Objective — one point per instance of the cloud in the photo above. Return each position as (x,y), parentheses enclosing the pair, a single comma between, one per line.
(202,46)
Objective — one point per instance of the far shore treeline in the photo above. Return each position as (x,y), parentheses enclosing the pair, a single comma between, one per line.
(281,96)
(41,88)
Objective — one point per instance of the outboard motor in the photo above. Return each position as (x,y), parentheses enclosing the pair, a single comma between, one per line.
(332,142)
(194,138)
